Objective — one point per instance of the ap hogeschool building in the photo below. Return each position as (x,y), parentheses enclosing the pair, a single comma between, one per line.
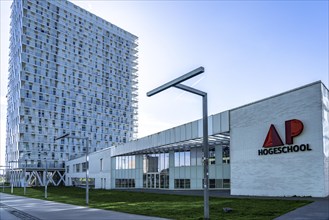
(278,146)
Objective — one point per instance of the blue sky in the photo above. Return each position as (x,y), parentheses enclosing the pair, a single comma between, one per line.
(250,50)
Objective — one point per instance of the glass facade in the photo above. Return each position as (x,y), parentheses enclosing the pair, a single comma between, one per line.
(84,166)
(176,170)
(182,159)
(212,156)
(182,183)
(82,182)
(196,156)
(219,183)
(156,180)
(125,162)
(156,163)
(124,183)
(167,170)
(226,155)
(156,170)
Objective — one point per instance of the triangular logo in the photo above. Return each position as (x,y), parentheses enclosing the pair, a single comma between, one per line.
(272,139)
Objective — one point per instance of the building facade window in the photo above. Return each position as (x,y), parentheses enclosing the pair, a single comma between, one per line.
(212,158)
(84,166)
(77,166)
(182,183)
(125,162)
(182,159)
(226,155)
(218,183)
(124,183)
(158,163)
(226,183)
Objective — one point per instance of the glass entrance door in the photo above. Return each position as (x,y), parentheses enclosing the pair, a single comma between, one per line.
(152,180)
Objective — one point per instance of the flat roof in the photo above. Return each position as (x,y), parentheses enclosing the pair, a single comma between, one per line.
(280,94)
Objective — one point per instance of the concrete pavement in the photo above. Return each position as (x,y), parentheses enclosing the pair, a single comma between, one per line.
(318,210)
(5,214)
(36,209)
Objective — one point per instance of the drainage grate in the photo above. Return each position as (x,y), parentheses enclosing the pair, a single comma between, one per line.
(18,213)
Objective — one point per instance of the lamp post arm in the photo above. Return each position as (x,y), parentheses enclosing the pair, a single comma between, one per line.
(176,81)
(190,89)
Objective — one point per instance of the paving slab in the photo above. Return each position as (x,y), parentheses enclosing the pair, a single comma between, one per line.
(36,209)
(317,210)
(6,215)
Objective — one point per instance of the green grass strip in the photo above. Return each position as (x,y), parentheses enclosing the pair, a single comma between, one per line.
(165,205)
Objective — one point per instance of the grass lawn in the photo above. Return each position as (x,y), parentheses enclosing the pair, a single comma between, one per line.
(164,205)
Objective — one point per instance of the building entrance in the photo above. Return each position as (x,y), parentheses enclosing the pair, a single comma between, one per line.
(152,180)
(156,180)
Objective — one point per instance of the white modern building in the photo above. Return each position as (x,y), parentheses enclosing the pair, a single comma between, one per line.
(70,72)
(278,146)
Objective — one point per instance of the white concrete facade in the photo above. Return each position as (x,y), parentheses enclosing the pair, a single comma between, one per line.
(243,170)
(303,173)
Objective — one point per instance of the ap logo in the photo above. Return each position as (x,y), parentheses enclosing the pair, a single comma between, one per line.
(293,128)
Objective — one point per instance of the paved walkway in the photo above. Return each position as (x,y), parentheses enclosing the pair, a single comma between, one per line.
(18,207)
(6,215)
(318,210)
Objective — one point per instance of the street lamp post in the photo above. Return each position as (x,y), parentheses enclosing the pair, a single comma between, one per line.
(11,181)
(25,178)
(87,164)
(177,84)
(3,181)
(46,181)
(11,177)
(87,173)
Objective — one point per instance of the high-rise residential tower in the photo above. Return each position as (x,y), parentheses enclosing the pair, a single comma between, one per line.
(70,71)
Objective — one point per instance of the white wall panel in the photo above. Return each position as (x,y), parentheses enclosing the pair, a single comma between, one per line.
(210,125)
(225,121)
(216,123)
(325,125)
(182,131)
(297,173)
(194,129)
(200,128)
(188,133)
